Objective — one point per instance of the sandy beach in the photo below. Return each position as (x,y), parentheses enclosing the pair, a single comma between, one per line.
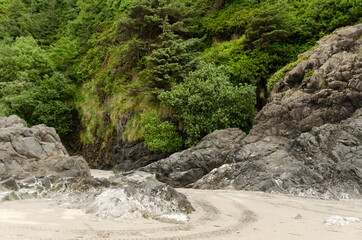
(220,214)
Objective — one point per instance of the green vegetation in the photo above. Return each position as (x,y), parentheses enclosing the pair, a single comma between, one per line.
(182,68)
(207,101)
(31,88)
(159,135)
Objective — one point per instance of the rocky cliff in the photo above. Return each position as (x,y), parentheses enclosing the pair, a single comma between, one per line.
(307,140)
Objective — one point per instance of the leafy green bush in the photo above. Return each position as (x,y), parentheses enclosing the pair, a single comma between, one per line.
(159,135)
(207,101)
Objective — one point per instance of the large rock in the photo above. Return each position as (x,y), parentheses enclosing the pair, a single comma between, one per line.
(35,164)
(327,162)
(138,194)
(326,88)
(35,151)
(131,195)
(307,140)
(183,168)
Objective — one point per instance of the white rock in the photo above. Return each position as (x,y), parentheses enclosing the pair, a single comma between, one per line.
(340,221)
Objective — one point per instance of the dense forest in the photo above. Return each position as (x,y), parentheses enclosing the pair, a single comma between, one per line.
(177,69)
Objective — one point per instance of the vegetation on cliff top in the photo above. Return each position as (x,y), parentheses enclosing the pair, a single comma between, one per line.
(187,67)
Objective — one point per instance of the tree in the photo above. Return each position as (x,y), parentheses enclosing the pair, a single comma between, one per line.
(31,88)
(207,101)
(269,25)
(37,18)
(144,20)
(170,60)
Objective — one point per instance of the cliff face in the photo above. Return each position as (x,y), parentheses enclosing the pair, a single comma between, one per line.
(307,140)
(118,154)
(326,88)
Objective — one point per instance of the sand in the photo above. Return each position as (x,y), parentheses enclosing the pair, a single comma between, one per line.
(220,214)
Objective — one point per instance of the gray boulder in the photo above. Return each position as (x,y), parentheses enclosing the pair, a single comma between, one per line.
(326,88)
(34,160)
(35,151)
(183,168)
(131,195)
(325,162)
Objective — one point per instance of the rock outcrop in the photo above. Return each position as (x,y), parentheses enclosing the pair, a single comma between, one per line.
(35,151)
(131,195)
(35,164)
(186,167)
(307,140)
(326,88)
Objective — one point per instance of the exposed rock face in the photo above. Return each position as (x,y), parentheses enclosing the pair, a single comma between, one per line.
(139,194)
(35,151)
(307,140)
(186,167)
(327,162)
(34,162)
(119,154)
(326,88)
(131,195)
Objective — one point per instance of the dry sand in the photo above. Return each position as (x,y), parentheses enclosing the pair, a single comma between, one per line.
(221,214)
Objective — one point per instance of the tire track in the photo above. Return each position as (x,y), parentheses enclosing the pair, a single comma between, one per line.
(220,214)
(210,216)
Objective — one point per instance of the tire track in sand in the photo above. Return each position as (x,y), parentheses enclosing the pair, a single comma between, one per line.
(211,220)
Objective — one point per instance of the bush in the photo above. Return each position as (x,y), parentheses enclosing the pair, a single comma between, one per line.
(159,135)
(207,101)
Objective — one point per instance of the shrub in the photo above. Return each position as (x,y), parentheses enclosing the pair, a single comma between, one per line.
(159,135)
(207,101)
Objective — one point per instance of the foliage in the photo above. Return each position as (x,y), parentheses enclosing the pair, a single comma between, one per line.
(159,135)
(207,101)
(118,56)
(269,25)
(243,67)
(31,88)
(320,17)
(170,60)
(38,18)
(231,19)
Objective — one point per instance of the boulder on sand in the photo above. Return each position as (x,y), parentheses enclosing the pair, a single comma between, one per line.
(35,164)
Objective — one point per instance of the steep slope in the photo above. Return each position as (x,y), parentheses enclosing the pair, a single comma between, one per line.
(307,140)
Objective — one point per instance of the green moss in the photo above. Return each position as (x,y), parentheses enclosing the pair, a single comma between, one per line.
(308,74)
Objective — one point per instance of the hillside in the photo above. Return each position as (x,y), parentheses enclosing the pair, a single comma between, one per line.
(307,140)
(127,82)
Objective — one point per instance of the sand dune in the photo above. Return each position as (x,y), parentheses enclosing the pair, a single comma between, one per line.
(221,214)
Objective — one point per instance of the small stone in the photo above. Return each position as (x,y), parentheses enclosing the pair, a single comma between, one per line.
(298,216)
